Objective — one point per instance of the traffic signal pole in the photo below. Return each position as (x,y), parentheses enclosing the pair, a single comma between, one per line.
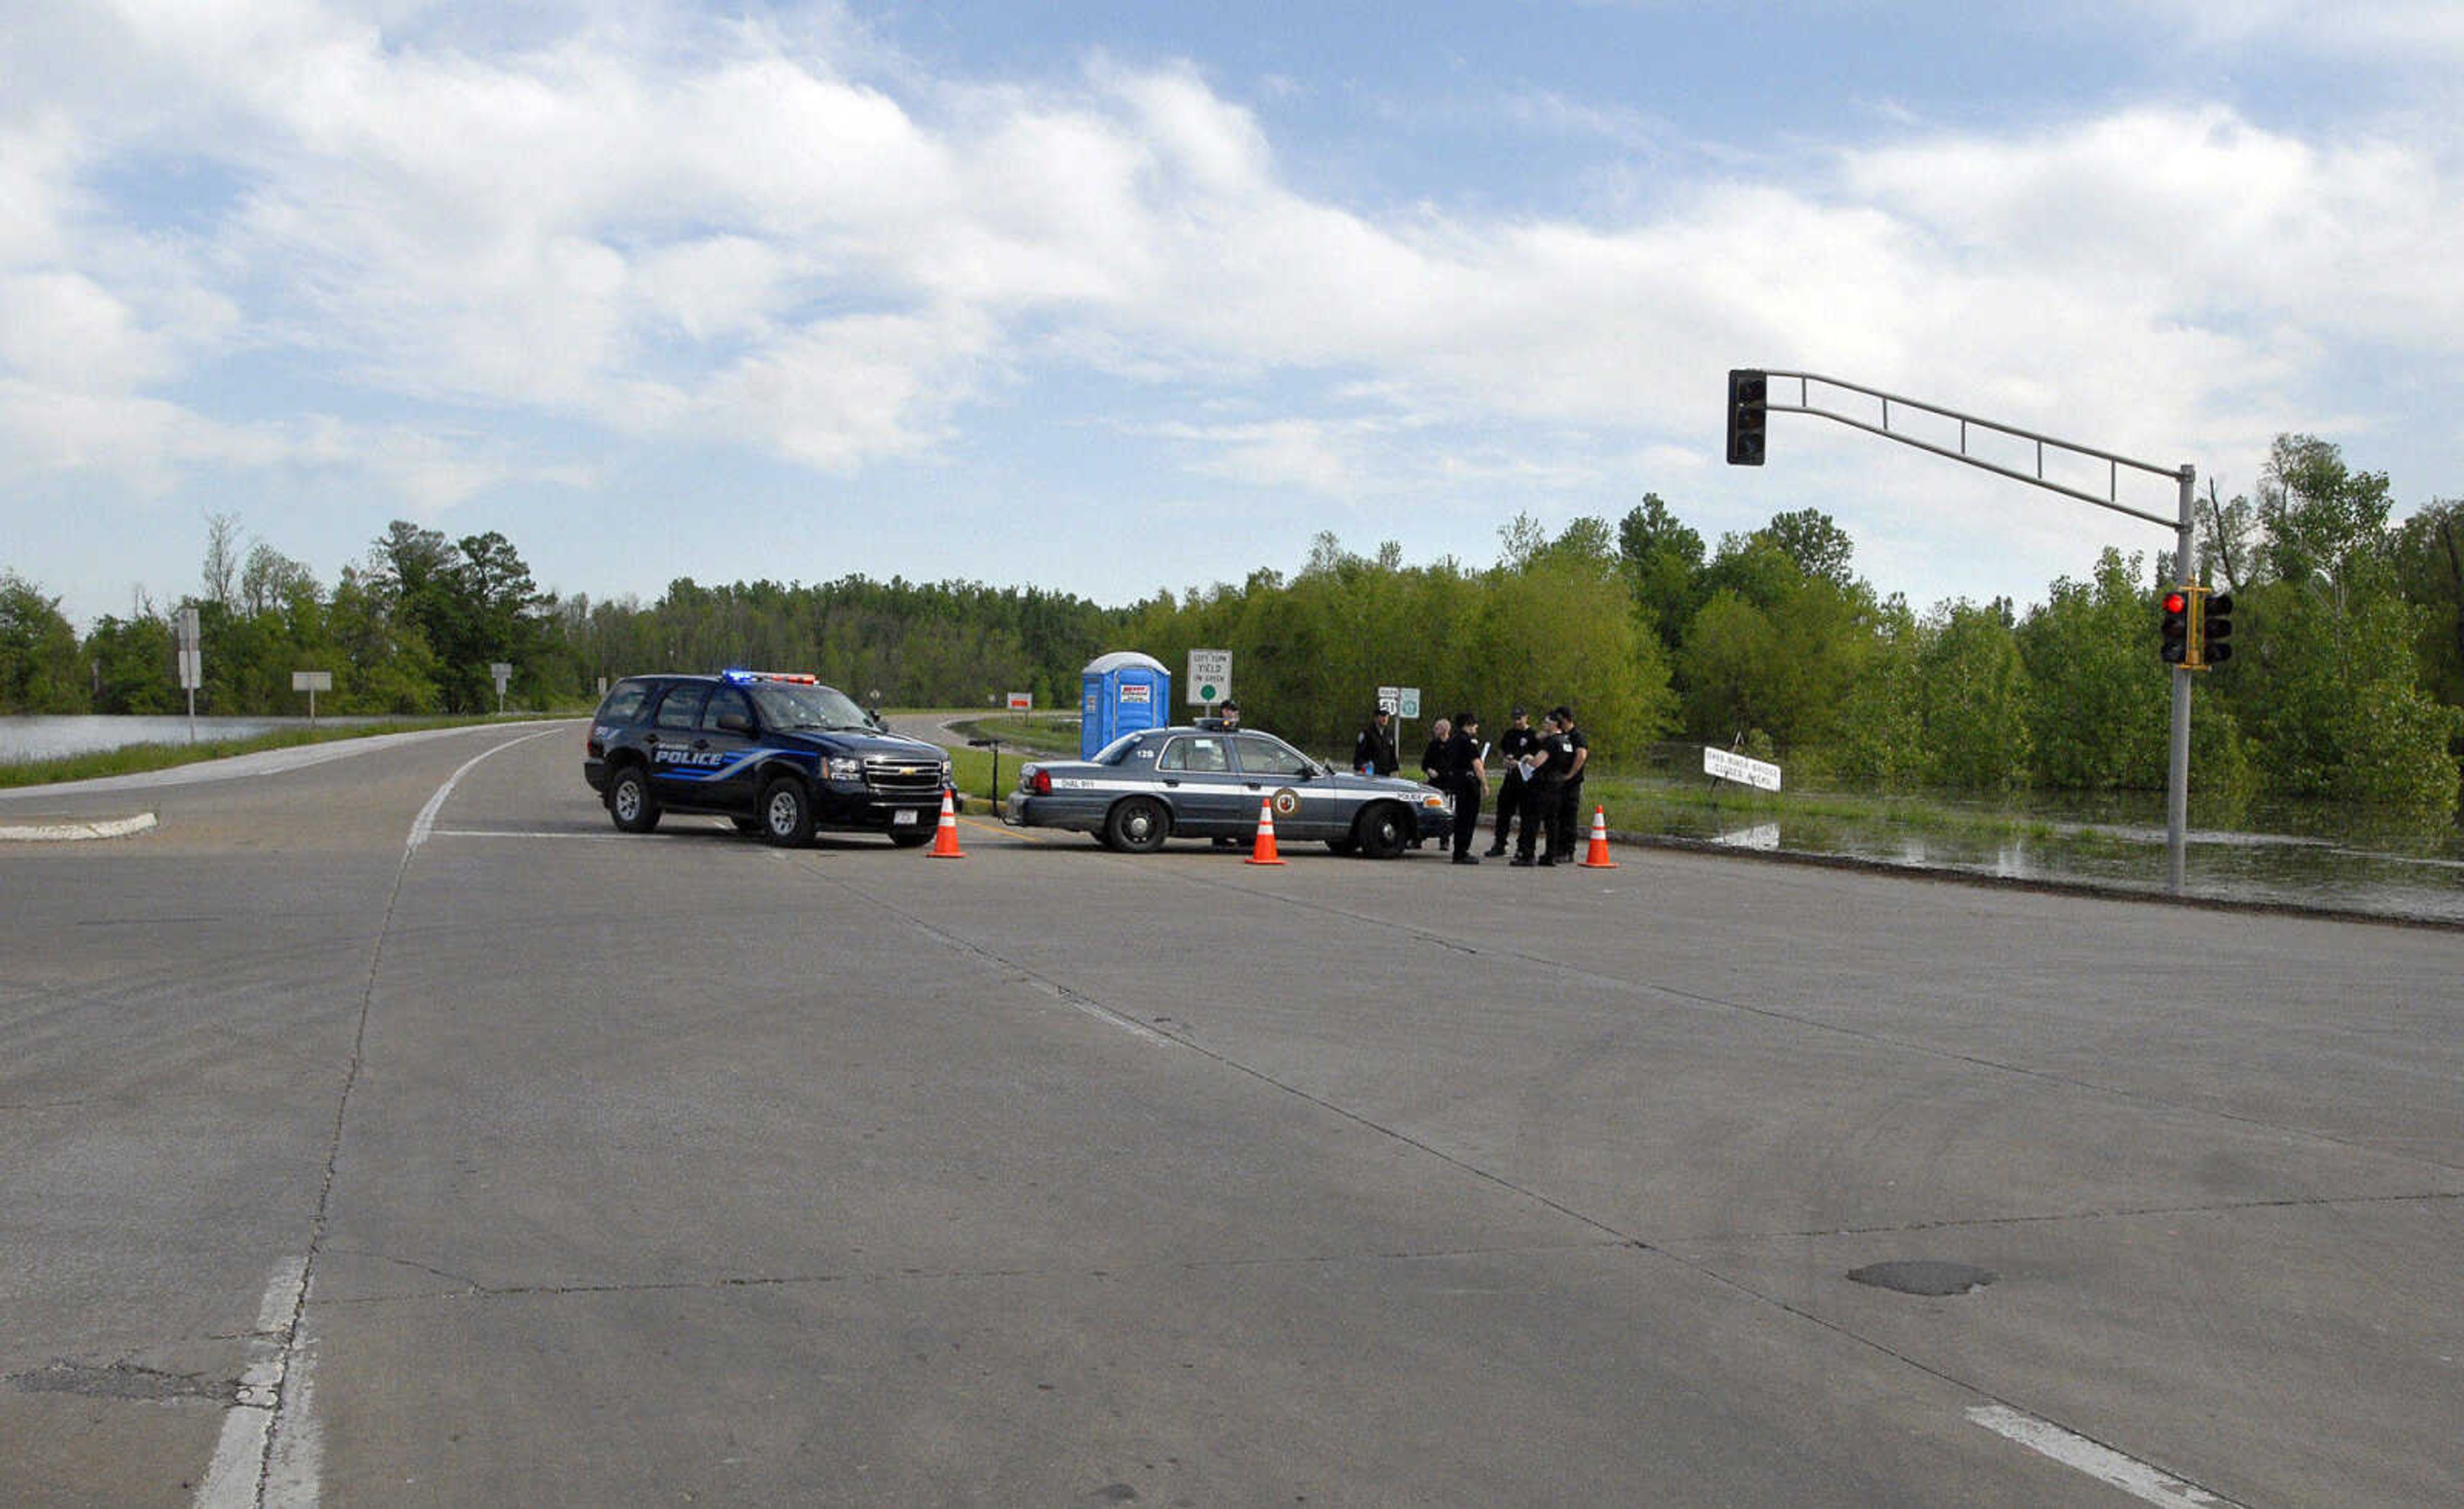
(1754,391)
(2177,769)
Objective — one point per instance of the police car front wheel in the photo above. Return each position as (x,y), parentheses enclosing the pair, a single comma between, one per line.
(787,812)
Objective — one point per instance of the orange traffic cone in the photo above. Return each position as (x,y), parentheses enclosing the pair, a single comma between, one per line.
(1597,859)
(1264,851)
(945,838)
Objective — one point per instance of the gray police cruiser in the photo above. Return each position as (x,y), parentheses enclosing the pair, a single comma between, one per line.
(779,754)
(1145,788)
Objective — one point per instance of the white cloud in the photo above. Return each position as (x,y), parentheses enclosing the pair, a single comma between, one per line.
(770,240)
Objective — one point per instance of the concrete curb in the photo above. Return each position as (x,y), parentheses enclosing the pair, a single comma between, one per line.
(73,832)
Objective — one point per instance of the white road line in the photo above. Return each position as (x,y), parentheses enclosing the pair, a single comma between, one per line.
(524,833)
(271,1450)
(234,1480)
(2102,1463)
(70,832)
(421,826)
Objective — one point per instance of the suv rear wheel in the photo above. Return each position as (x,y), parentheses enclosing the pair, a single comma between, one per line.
(631,803)
(787,812)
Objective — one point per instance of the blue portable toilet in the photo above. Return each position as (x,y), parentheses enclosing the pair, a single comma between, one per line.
(1125,692)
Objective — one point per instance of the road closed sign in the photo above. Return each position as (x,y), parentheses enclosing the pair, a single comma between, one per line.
(1761,774)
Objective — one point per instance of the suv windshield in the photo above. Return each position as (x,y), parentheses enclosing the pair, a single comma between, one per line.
(788,705)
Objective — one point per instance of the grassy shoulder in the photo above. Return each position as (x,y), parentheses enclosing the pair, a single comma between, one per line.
(131,759)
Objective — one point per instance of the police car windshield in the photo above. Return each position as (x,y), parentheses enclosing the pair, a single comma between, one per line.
(788,705)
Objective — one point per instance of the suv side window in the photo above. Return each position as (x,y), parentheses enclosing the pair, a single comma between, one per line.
(625,703)
(681,708)
(724,700)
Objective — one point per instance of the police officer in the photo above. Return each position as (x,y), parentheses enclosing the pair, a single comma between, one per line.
(1545,780)
(1569,791)
(1514,743)
(1467,777)
(1433,760)
(1374,752)
(1226,720)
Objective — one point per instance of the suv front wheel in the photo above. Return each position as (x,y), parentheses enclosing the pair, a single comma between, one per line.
(787,812)
(631,803)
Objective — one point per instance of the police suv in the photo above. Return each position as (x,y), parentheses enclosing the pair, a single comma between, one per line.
(781,753)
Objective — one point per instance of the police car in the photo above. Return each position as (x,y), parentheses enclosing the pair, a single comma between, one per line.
(781,753)
(1145,788)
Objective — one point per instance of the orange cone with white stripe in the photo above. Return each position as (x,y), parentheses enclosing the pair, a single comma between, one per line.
(1597,859)
(1264,853)
(945,838)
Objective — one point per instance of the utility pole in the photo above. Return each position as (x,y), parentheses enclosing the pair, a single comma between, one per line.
(1752,392)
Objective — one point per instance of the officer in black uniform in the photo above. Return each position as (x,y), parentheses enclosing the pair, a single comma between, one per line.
(1374,752)
(1226,720)
(1542,790)
(1467,778)
(1569,791)
(1513,744)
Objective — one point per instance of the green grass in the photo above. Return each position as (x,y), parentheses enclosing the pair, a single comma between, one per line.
(130,760)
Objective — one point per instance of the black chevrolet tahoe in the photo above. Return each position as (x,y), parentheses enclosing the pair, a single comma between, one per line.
(779,754)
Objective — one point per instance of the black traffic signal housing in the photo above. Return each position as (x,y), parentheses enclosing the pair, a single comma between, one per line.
(1748,394)
(2215,627)
(2174,626)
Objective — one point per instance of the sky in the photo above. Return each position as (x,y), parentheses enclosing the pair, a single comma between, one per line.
(1113,300)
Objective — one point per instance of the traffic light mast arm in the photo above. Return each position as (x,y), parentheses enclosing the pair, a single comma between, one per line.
(2114,464)
(2177,778)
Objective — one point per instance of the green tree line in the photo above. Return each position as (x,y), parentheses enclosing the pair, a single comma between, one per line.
(2347,682)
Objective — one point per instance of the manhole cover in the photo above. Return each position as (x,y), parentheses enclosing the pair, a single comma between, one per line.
(1923,1276)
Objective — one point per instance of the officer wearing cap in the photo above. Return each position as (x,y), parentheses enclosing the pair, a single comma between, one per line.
(1226,720)
(1374,752)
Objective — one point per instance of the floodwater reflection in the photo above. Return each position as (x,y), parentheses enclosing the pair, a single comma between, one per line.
(2308,857)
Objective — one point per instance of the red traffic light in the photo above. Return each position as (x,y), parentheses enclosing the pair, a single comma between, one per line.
(2173,637)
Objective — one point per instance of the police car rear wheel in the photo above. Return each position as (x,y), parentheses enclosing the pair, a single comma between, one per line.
(630,804)
(786,813)
(1138,826)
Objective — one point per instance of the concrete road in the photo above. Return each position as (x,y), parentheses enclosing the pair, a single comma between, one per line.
(390,1130)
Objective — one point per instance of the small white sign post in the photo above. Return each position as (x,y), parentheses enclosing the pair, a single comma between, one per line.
(500,674)
(193,664)
(1022,702)
(312,682)
(1721,765)
(1210,677)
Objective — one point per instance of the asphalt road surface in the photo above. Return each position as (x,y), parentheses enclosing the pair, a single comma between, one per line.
(389,1130)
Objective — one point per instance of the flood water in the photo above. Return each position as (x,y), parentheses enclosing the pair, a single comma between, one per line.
(33,738)
(2284,855)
